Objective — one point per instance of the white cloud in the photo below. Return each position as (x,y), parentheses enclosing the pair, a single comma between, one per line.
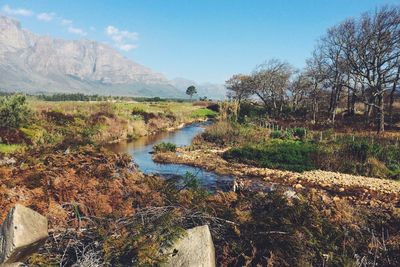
(17,11)
(122,38)
(66,22)
(126,47)
(78,31)
(69,25)
(45,16)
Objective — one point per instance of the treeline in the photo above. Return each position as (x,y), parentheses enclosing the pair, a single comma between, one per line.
(73,97)
(356,64)
(83,97)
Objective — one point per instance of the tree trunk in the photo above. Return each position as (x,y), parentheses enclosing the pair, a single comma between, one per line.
(315,110)
(381,114)
(366,114)
(391,99)
(335,105)
(353,104)
(348,101)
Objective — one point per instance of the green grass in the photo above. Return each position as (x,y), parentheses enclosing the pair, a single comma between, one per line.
(203,113)
(8,149)
(276,154)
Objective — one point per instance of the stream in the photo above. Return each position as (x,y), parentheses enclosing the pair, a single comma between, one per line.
(140,149)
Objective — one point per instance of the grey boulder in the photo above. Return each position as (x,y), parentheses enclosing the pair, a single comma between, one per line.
(195,249)
(22,233)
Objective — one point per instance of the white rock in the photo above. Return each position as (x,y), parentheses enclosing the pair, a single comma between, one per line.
(22,233)
(15,264)
(195,249)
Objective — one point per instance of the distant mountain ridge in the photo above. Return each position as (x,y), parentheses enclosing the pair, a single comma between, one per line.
(33,63)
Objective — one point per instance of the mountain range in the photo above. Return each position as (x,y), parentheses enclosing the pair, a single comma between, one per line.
(42,64)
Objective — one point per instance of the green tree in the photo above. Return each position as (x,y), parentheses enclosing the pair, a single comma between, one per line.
(14,111)
(190,91)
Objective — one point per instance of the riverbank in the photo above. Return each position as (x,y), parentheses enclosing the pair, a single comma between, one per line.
(70,123)
(360,189)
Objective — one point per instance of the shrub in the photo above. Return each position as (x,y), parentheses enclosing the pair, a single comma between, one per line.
(220,133)
(276,134)
(58,117)
(300,133)
(147,116)
(14,111)
(277,154)
(164,147)
(250,111)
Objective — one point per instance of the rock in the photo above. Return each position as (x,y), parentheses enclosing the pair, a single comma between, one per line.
(8,161)
(194,249)
(289,194)
(298,186)
(22,233)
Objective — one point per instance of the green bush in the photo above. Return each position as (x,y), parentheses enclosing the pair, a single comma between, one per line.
(221,133)
(14,111)
(359,149)
(164,147)
(361,156)
(300,133)
(276,134)
(277,154)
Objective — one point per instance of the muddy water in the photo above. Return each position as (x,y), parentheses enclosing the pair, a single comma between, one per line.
(141,149)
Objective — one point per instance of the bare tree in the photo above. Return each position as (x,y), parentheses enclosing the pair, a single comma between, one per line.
(271,81)
(239,87)
(316,72)
(371,49)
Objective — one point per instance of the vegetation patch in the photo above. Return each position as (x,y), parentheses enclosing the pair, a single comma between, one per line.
(276,154)
(164,147)
(14,111)
(203,113)
(9,149)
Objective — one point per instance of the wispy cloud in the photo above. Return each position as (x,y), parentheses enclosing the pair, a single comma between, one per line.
(50,16)
(66,22)
(122,38)
(126,47)
(77,31)
(45,16)
(17,11)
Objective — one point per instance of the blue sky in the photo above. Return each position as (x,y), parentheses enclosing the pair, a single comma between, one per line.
(203,40)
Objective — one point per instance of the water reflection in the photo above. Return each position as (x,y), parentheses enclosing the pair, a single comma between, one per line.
(140,150)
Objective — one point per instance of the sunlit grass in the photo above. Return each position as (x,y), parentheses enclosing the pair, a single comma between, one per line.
(8,149)
(124,109)
(202,113)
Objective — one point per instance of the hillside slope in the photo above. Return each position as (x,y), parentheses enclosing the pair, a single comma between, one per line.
(33,63)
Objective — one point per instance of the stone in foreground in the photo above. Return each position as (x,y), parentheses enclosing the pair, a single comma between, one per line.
(195,249)
(22,233)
